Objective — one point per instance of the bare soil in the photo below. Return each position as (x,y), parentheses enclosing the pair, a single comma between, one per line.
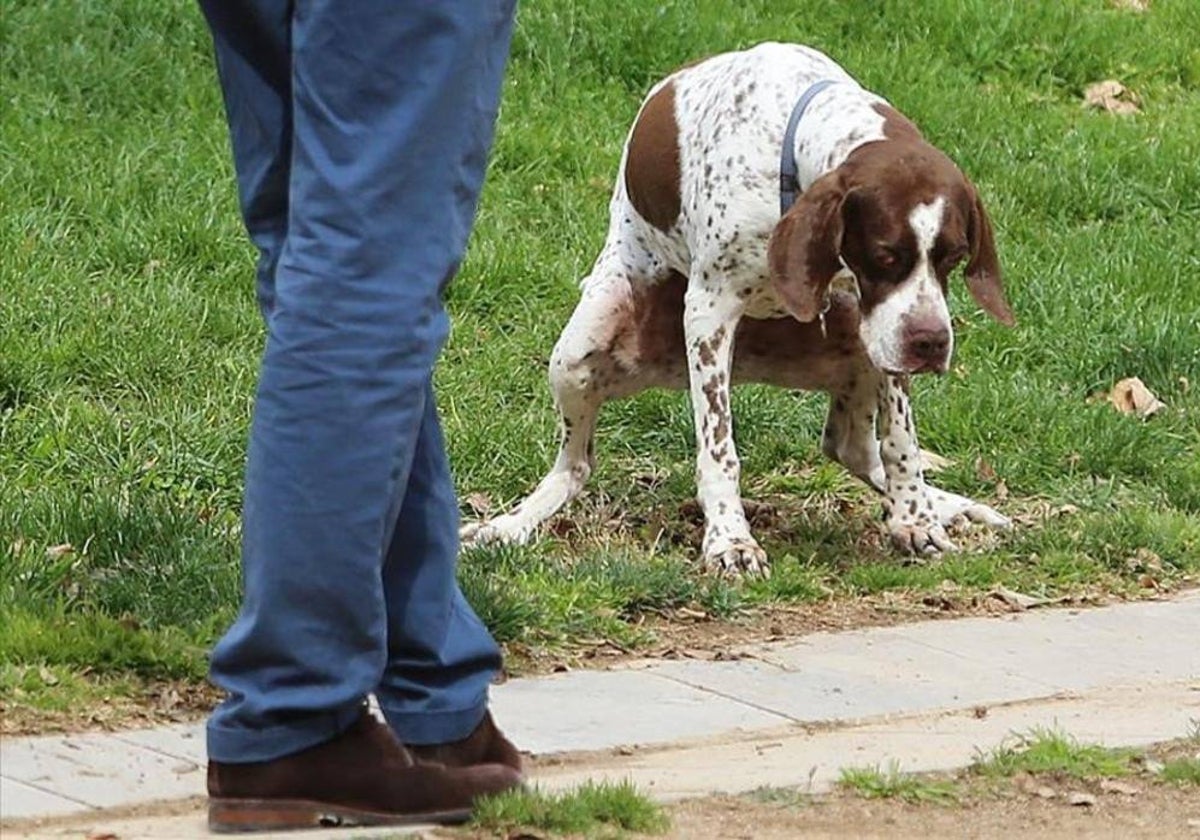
(152,703)
(1026,806)
(1156,811)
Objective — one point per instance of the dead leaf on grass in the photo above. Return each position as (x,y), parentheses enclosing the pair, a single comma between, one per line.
(1111,96)
(480,503)
(1137,6)
(1131,396)
(932,462)
(984,471)
(1016,600)
(56,551)
(1144,560)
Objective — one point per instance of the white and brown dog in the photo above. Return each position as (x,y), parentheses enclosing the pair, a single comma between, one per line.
(846,293)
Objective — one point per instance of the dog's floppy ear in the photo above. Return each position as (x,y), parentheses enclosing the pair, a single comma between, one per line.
(983,268)
(804,251)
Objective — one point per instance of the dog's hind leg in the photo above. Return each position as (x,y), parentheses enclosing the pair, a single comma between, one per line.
(584,372)
(849,436)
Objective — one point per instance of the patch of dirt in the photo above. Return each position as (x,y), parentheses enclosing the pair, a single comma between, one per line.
(90,824)
(1159,811)
(1048,806)
(153,703)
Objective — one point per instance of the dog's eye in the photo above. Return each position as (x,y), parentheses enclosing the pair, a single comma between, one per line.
(886,258)
(952,258)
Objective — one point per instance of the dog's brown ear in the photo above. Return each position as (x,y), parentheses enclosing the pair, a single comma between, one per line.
(983,268)
(804,251)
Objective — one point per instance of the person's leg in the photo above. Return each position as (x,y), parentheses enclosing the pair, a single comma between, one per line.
(440,656)
(252,45)
(385,159)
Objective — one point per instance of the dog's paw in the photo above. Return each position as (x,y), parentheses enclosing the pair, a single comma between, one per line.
(503,530)
(950,507)
(736,558)
(921,537)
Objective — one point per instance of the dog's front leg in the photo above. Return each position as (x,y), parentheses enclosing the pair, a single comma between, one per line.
(711,315)
(912,520)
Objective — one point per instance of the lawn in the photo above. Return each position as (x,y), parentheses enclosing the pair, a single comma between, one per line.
(129,335)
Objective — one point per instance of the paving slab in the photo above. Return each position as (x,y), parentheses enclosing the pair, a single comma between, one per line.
(813,761)
(1061,650)
(98,770)
(842,679)
(788,756)
(593,710)
(1080,650)
(886,678)
(22,800)
(184,741)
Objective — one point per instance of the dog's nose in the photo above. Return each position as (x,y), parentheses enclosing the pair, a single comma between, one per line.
(928,342)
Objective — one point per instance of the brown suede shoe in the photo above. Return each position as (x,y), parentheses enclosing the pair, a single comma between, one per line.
(486,745)
(362,777)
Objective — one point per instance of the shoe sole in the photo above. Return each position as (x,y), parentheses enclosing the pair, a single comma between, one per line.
(238,816)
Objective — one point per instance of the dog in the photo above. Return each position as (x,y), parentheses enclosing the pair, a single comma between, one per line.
(767,201)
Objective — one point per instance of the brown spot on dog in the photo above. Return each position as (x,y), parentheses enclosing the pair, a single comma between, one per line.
(707,349)
(718,407)
(896,126)
(652,166)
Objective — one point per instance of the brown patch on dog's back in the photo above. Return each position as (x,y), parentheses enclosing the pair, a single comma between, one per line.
(652,168)
(896,126)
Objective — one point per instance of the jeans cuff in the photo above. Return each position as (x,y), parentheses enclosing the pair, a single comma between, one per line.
(242,745)
(441,727)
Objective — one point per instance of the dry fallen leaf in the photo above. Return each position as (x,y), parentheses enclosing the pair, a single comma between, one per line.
(1138,6)
(932,462)
(480,503)
(984,471)
(56,551)
(1112,96)
(1017,600)
(1079,798)
(1131,396)
(1144,560)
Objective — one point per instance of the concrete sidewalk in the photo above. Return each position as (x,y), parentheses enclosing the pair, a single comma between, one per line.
(785,713)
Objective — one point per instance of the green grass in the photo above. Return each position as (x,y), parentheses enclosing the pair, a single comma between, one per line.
(130,335)
(594,809)
(780,797)
(1181,771)
(1048,751)
(890,783)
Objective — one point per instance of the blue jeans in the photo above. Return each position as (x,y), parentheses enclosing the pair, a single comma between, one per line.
(360,133)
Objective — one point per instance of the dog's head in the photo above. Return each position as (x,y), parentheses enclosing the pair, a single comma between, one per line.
(899,216)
